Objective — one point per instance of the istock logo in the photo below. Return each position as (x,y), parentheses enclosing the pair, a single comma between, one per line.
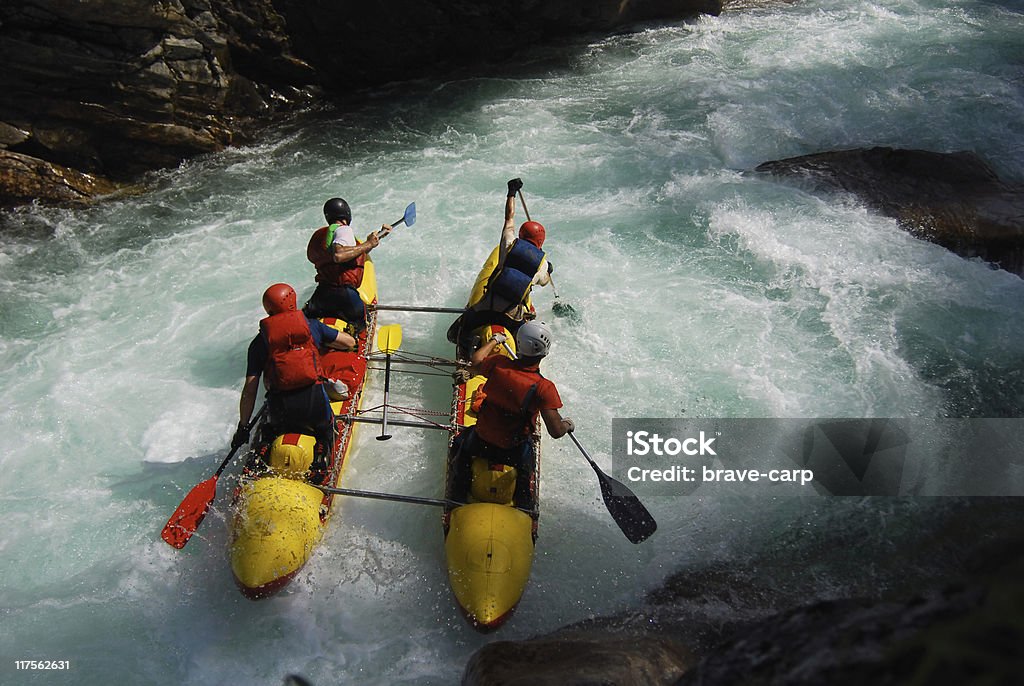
(645,443)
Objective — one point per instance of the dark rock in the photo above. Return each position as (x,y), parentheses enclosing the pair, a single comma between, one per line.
(583,660)
(26,179)
(355,45)
(952,199)
(968,633)
(842,601)
(115,88)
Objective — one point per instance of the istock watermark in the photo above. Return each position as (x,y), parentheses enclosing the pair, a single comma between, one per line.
(816,457)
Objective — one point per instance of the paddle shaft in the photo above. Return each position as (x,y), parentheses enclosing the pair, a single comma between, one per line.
(586,454)
(522,199)
(387,388)
(551,281)
(389,338)
(248,428)
(511,352)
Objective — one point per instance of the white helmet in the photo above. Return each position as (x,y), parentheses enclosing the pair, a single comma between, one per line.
(533,339)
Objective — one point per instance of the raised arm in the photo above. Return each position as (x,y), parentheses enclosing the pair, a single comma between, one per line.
(484,351)
(508,229)
(347,253)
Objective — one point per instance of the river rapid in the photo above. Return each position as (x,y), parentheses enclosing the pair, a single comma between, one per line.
(702,291)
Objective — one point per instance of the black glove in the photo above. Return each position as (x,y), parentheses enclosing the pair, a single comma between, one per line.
(513,187)
(240,438)
(551,267)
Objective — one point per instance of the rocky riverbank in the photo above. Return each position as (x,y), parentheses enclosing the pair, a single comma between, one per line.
(97,93)
(936,599)
(953,199)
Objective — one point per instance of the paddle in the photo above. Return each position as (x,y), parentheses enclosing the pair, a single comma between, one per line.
(624,507)
(389,338)
(409,218)
(511,353)
(558,308)
(190,513)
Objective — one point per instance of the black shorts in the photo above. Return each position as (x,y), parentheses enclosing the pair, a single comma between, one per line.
(468,445)
(306,410)
(342,302)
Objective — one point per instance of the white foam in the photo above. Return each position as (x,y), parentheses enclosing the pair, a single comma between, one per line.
(702,291)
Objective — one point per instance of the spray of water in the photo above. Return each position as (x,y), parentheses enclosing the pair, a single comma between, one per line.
(697,291)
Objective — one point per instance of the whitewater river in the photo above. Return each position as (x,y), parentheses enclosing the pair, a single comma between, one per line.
(702,290)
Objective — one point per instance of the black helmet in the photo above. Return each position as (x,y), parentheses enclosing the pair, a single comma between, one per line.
(336,210)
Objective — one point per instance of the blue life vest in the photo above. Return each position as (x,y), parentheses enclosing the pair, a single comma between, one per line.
(513,282)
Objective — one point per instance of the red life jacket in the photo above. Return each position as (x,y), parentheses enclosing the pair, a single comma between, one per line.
(293,361)
(329,272)
(509,410)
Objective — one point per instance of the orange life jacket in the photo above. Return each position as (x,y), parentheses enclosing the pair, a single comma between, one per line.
(508,411)
(293,361)
(329,272)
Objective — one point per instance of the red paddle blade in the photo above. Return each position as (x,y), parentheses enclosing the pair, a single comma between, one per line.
(189,515)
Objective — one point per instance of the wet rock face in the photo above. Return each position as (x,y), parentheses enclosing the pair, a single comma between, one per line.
(952,199)
(935,598)
(968,632)
(579,661)
(27,178)
(114,88)
(360,44)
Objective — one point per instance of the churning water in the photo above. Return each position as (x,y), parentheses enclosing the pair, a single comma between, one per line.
(703,291)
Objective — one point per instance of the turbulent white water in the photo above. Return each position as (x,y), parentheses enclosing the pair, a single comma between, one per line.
(704,292)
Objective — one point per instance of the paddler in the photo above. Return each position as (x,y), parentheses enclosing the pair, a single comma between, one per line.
(514,394)
(339,260)
(502,293)
(286,353)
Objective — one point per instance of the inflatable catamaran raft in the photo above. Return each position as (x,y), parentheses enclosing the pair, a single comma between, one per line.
(278,513)
(280,509)
(491,513)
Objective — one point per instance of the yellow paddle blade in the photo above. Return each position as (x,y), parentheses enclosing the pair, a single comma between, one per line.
(389,338)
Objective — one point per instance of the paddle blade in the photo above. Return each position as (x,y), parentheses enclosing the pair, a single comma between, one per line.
(409,218)
(560,309)
(389,338)
(626,509)
(189,515)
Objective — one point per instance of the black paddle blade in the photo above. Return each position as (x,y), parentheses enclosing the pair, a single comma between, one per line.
(626,509)
(560,309)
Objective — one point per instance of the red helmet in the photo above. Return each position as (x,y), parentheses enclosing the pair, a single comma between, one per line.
(279,298)
(533,232)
